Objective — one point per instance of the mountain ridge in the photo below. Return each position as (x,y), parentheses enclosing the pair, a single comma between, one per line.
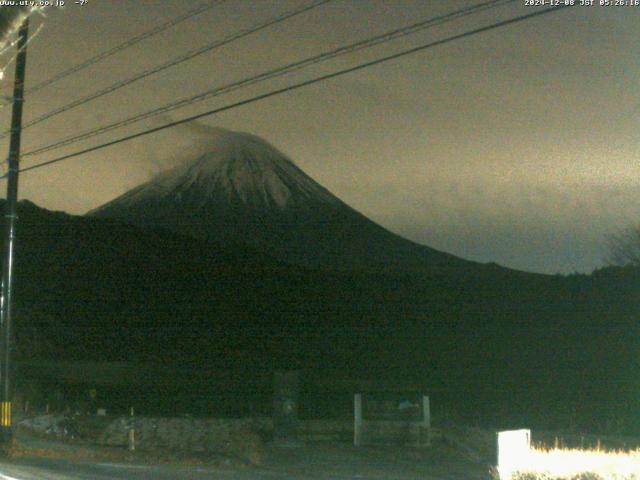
(246,190)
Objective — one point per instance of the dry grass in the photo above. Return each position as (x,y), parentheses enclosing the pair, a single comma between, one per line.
(574,464)
(242,449)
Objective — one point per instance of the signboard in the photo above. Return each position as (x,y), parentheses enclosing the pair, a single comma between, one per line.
(392,419)
(393,406)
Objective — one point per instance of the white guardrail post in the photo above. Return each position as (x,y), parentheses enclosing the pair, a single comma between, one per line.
(513,446)
(357,419)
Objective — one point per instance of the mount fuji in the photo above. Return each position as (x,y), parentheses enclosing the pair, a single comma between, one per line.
(244,190)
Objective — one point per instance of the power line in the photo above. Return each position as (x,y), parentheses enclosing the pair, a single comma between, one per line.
(300,85)
(15,56)
(123,46)
(277,72)
(183,58)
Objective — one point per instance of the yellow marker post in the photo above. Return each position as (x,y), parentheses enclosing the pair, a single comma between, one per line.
(5,414)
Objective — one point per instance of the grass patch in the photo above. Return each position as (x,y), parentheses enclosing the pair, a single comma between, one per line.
(575,464)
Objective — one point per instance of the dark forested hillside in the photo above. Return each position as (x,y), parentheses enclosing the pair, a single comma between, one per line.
(95,289)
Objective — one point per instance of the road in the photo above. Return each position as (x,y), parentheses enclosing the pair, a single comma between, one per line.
(317,462)
(46,469)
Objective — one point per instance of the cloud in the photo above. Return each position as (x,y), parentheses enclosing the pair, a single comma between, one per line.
(537,227)
(172,147)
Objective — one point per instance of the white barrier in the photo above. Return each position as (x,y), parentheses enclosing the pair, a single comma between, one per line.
(513,448)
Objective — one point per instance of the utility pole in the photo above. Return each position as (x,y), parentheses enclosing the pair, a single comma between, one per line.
(10,214)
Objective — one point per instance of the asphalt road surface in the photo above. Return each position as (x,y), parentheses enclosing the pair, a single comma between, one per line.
(63,470)
(318,462)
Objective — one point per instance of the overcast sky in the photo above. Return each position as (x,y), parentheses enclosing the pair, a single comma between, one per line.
(518,146)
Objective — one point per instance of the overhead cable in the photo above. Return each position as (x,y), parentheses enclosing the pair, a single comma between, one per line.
(302,84)
(274,73)
(172,63)
(123,46)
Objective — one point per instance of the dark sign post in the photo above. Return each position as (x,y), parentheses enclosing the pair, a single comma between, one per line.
(10,215)
(286,389)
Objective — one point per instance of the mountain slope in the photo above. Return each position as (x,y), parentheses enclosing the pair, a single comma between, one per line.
(487,341)
(245,190)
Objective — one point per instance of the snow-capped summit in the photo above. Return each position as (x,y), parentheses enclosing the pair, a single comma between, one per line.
(245,190)
(239,167)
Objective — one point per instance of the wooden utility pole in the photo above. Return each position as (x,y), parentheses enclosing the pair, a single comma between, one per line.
(6,427)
